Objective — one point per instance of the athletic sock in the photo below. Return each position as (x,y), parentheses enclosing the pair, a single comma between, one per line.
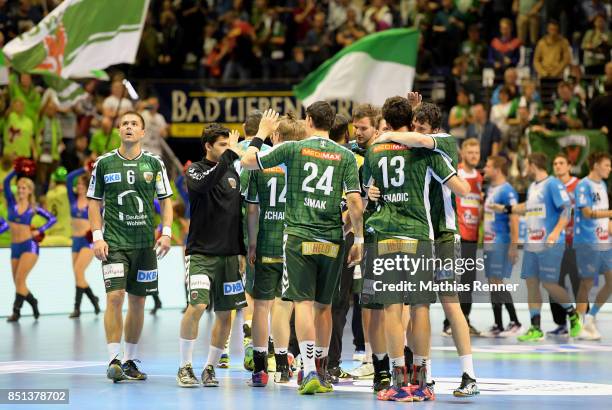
(186,349)
(368,353)
(280,355)
(131,351)
(569,308)
(594,310)
(512,312)
(114,350)
(307,348)
(497,314)
(214,354)
(321,352)
(535,317)
(398,361)
(260,358)
(428,378)
(380,356)
(467,365)
(408,356)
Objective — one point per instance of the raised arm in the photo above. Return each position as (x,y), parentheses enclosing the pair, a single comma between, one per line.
(201,181)
(8,194)
(70,184)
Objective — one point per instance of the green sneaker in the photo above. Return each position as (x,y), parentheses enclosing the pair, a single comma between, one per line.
(575,325)
(311,384)
(248,362)
(534,334)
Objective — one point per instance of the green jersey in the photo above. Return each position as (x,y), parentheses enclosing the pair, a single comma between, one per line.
(403,176)
(128,188)
(319,171)
(267,188)
(18,135)
(443,211)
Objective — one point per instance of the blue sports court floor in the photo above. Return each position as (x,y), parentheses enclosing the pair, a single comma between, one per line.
(58,353)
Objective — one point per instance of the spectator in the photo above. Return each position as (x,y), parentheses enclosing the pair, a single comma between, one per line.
(148,50)
(171,52)
(529,99)
(338,13)
(48,142)
(504,50)
(85,108)
(377,17)
(474,50)
(552,53)
(22,87)
(317,43)
(568,110)
(350,31)
(297,67)
(77,156)
(116,104)
(213,54)
(459,116)
(156,127)
(68,121)
(592,9)
(528,20)
(510,82)
(501,111)
(607,77)
(424,64)
(600,110)
(271,37)
(18,132)
(485,131)
(240,40)
(421,17)
(447,28)
(105,139)
(303,16)
(455,81)
(578,85)
(596,46)
(26,16)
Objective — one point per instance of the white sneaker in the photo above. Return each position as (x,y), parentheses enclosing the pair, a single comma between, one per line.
(366,370)
(512,329)
(589,330)
(493,332)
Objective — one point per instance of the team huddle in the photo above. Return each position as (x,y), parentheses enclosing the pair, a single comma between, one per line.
(293,218)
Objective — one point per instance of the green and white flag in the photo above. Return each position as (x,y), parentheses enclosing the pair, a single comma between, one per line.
(79,36)
(372,69)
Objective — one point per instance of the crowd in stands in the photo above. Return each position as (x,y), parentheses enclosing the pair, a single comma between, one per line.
(545,63)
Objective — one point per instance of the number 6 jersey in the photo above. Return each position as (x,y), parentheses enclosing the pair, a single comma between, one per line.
(128,188)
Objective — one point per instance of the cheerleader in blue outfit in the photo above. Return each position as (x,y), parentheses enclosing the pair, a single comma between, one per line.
(24,239)
(82,252)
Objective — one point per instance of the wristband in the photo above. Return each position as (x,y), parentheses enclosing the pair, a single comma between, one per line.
(97,235)
(508,209)
(167,231)
(358,240)
(256,142)
(357,273)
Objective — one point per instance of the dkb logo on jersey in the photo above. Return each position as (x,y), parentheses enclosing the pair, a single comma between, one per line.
(147,275)
(112,178)
(232,288)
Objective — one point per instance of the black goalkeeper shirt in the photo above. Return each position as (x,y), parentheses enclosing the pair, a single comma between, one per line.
(215,203)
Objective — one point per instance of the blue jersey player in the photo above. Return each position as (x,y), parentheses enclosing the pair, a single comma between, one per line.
(547,212)
(592,240)
(500,243)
